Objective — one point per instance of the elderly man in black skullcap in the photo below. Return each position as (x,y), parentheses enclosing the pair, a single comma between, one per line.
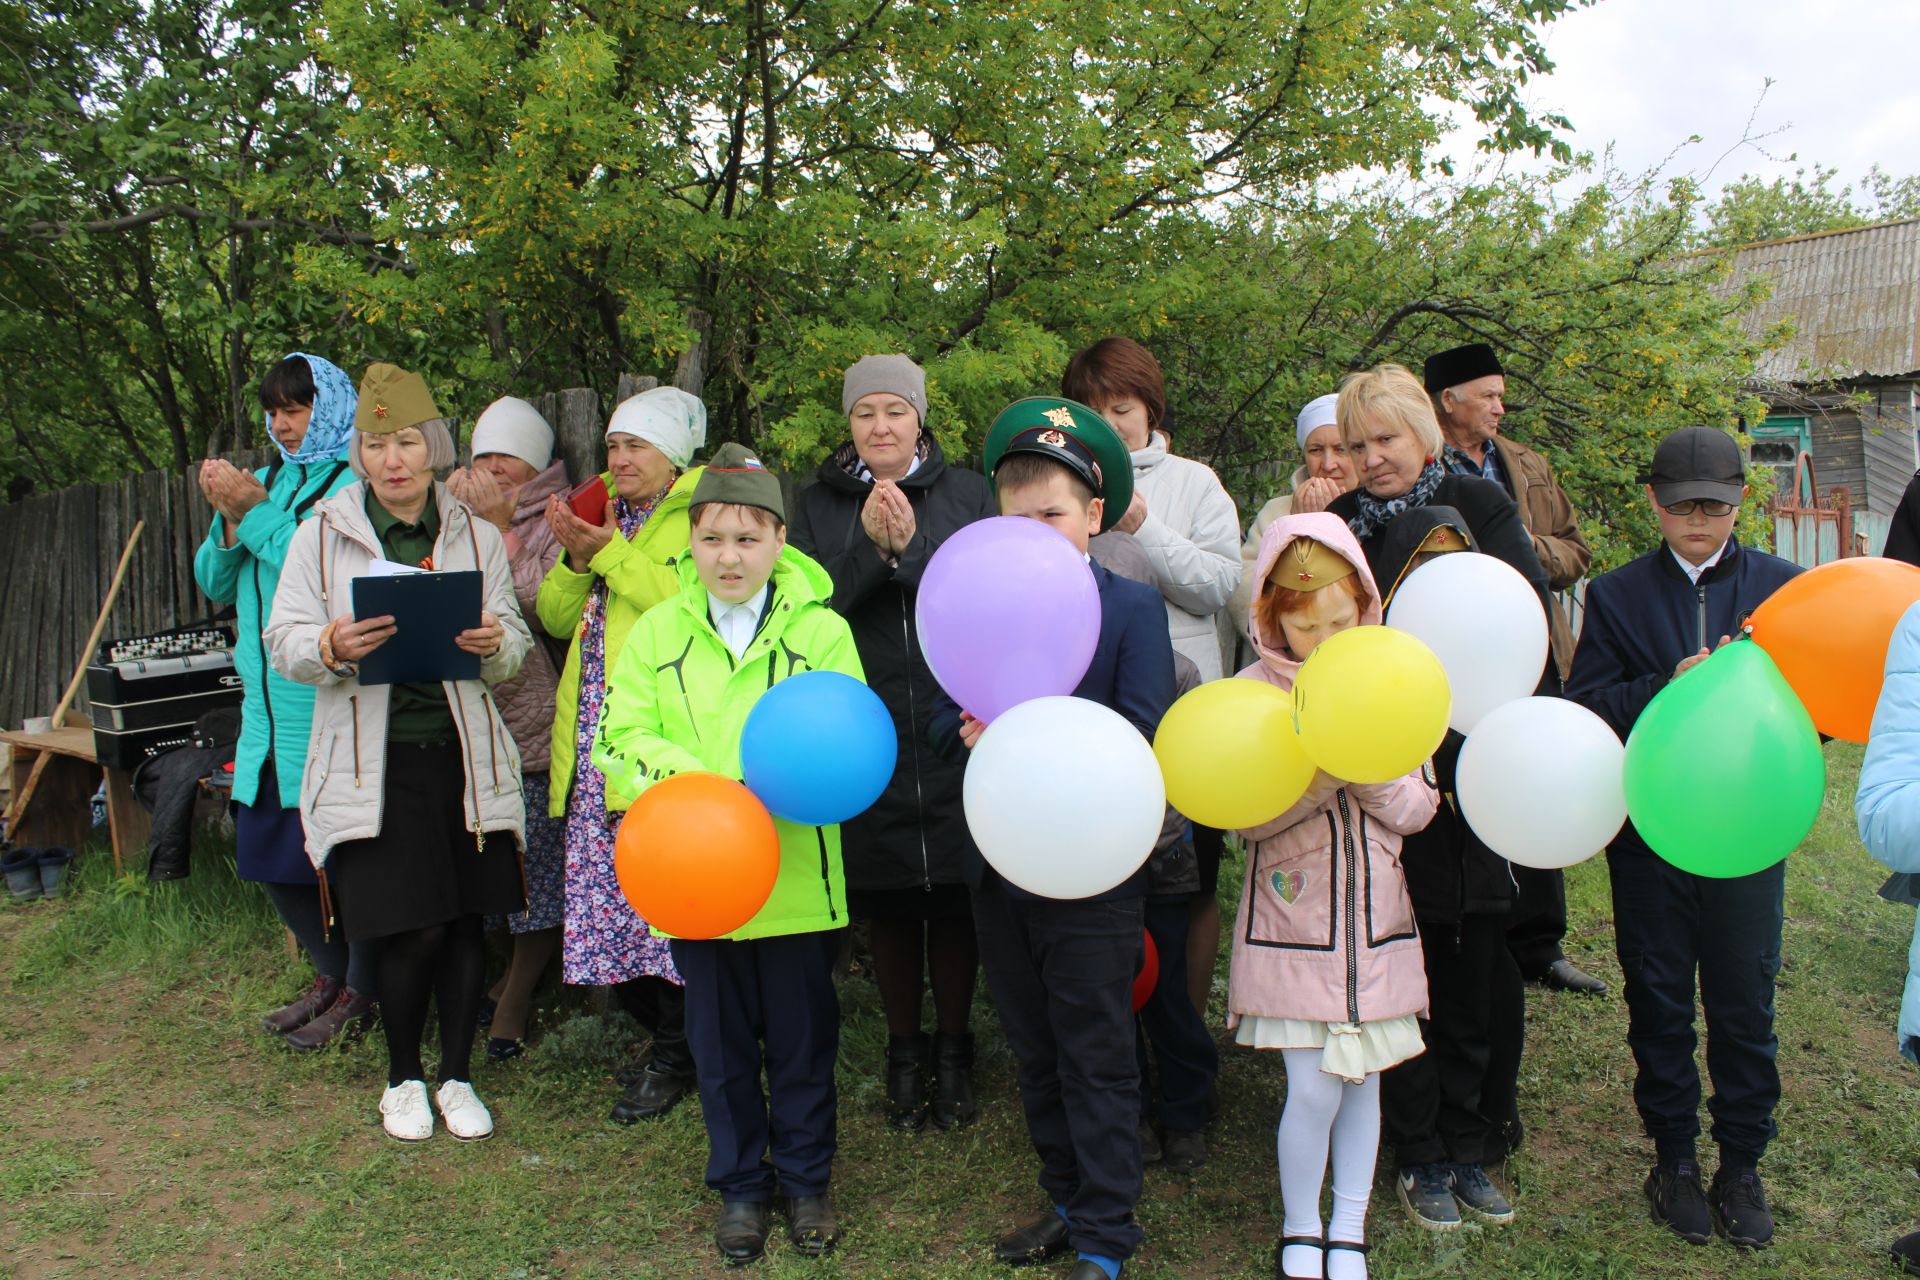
(1469,388)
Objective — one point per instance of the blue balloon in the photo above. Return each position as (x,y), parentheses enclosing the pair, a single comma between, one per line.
(818,748)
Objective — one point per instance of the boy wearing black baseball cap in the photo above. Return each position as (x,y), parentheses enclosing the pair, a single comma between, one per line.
(1062,972)
(1646,624)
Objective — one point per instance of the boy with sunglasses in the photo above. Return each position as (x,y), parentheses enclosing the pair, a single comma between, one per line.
(1646,624)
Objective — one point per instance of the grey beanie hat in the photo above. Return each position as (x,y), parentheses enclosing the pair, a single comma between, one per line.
(895,375)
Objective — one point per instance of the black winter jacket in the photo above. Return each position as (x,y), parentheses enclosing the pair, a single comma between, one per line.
(1644,618)
(1450,873)
(915,835)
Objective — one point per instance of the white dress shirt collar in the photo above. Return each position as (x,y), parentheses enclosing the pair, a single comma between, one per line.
(737,623)
(1693,571)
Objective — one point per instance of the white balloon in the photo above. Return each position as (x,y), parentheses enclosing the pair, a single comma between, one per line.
(1539,781)
(1064,797)
(1484,620)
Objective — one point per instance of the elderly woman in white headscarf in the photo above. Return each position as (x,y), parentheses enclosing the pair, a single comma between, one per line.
(614,570)
(1325,472)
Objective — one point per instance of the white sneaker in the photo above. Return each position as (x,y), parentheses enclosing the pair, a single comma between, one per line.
(467,1117)
(404,1112)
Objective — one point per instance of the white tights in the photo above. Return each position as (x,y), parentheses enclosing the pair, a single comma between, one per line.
(1323,1110)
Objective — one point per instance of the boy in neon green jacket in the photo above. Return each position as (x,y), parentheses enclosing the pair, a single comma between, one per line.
(751,611)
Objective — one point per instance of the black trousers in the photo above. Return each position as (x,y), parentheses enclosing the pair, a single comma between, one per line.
(1061,974)
(777,993)
(660,1007)
(1183,1050)
(1674,927)
(1539,921)
(1455,1101)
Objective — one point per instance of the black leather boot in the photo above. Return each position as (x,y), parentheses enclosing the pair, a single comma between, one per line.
(907,1081)
(953,1104)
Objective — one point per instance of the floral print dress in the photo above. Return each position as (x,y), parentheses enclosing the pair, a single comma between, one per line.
(604,941)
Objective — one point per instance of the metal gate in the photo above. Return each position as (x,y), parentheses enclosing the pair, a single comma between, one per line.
(1809,529)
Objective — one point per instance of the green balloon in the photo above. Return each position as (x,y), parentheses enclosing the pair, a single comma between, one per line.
(1724,772)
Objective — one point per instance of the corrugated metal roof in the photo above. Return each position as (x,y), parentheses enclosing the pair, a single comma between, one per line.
(1854,298)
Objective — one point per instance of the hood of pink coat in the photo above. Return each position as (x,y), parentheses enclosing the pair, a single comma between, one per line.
(530,499)
(1277,665)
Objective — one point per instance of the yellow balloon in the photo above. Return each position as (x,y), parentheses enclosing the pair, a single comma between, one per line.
(1230,756)
(1372,704)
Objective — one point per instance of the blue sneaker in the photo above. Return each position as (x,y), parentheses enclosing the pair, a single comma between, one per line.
(1475,1193)
(1427,1191)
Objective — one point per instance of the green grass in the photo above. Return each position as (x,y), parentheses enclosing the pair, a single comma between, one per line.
(147,1128)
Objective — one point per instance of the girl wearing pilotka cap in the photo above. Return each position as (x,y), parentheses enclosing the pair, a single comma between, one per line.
(1326,962)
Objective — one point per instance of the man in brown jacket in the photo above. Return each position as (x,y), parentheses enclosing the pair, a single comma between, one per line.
(1469,387)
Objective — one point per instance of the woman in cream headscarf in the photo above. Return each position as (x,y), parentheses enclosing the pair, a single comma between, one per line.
(614,571)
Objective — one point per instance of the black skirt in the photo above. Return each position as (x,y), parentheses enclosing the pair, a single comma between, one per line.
(941,902)
(423,869)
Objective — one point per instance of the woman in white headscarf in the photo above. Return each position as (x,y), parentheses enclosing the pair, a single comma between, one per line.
(614,570)
(1325,472)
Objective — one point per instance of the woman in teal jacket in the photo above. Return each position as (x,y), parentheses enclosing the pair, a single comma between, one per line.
(309,403)
(1887,808)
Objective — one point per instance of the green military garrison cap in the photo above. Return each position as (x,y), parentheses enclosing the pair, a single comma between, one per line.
(1073,435)
(1307,565)
(736,477)
(391,399)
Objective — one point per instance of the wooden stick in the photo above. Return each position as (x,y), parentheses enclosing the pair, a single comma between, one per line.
(79,674)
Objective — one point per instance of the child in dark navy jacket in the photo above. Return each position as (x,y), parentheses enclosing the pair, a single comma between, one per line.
(1061,972)
(1646,624)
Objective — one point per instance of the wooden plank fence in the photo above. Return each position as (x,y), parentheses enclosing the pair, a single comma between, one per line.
(59,558)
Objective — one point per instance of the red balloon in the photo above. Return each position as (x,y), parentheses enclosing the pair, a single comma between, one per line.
(697,855)
(1148,976)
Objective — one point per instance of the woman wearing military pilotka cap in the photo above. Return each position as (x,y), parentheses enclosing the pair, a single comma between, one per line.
(420,872)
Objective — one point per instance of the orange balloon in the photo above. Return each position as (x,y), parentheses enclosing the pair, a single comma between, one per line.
(1828,630)
(697,855)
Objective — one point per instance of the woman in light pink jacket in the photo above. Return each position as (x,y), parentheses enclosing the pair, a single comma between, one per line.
(1326,959)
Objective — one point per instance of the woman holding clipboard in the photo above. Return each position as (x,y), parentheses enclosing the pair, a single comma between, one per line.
(411,796)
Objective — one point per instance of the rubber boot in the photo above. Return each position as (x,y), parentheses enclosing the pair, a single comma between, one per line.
(53,871)
(22,868)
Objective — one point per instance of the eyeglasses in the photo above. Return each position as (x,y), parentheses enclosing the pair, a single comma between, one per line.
(1706,506)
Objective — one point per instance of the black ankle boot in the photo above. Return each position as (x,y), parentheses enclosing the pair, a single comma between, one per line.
(907,1081)
(953,1104)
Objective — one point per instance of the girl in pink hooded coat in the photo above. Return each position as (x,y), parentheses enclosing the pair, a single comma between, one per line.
(1326,959)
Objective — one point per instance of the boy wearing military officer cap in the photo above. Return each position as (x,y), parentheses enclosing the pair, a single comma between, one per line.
(1062,972)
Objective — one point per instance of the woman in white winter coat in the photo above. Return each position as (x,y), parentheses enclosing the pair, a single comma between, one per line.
(411,796)
(1186,522)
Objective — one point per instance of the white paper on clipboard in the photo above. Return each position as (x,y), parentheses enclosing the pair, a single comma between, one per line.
(391,569)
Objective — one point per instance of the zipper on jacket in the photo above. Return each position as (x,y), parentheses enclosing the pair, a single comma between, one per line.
(826,877)
(913,748)
(1352,876)
(473,779)
(353,704)
(493,743)
(1700,591)
(266,697)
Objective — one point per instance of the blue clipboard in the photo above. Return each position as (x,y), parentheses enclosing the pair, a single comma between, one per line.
(429,610)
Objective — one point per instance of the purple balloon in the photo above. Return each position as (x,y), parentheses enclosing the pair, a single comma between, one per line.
(1008,611)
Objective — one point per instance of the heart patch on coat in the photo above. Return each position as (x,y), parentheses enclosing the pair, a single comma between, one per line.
(1288,885)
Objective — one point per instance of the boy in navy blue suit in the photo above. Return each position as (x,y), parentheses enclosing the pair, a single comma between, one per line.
(1647,623)
(1061,972)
